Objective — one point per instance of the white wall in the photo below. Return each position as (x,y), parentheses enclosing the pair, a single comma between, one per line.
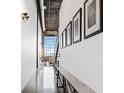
(28,42)
(83,59)
(39,43)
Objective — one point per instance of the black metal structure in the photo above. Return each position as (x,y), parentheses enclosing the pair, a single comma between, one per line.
(37,43)
(40,18)
(61,81)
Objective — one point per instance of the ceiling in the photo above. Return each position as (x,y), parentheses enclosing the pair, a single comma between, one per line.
(51,14)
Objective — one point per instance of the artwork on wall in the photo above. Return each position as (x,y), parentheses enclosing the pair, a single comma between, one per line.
(92,18)
(64,38)
(77,24)
(69,34)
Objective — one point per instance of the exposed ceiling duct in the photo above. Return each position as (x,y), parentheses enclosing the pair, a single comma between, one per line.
(51,14)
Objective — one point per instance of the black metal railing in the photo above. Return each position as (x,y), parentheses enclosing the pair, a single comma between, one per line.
(56,61)
(61,81)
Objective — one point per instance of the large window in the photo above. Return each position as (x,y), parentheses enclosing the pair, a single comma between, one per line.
(49,45)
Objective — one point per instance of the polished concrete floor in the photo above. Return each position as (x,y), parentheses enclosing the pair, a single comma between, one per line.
(42,81)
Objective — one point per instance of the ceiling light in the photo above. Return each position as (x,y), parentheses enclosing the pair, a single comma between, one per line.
(25,16)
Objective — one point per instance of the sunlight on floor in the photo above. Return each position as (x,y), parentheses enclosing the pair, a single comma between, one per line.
(48,77)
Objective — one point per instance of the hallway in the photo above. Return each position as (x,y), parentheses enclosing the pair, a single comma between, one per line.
(42,81)
(61,46)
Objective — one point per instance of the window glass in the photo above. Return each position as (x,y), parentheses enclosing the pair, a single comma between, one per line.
(49,45)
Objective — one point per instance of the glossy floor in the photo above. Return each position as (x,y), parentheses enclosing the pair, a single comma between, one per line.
(42,81)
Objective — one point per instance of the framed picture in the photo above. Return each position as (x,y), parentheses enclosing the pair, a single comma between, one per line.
(69,34)
(77,24)
(64,38)
(93,18)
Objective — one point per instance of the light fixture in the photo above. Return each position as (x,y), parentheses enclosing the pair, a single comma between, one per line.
(25,16)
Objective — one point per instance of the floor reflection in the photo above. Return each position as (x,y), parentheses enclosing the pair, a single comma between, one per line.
(48,77)
(42,81)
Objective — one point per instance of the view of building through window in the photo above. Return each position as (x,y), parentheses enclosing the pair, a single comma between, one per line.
(49,45)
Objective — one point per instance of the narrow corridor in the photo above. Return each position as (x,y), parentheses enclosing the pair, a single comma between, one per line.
(61,46)
(42,81)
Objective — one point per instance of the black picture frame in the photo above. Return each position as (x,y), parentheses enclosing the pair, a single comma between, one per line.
(77,29)
(64,38)
(69,33)
(61,40)
(93,18)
